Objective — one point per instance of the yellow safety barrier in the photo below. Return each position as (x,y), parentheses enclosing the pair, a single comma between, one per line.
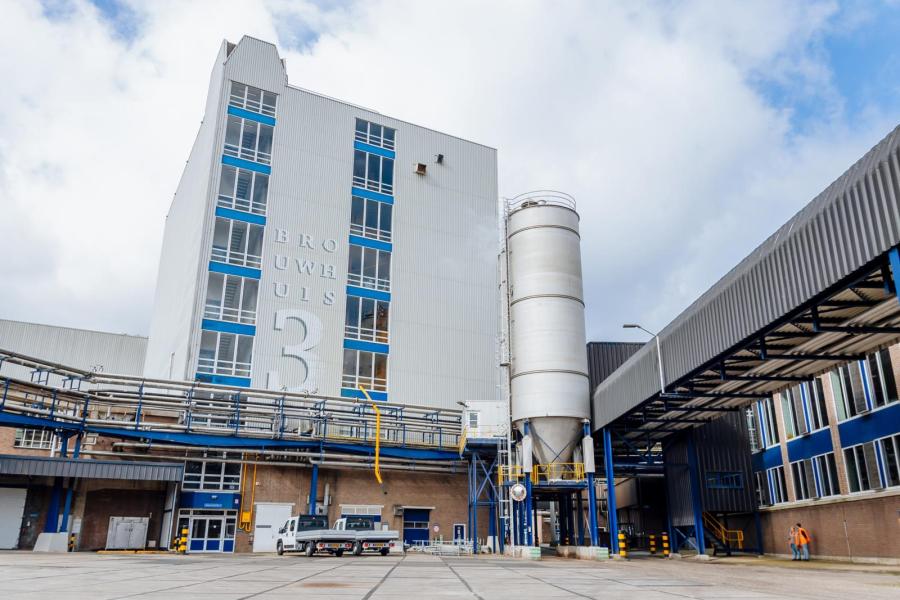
(462,440)
(182,543)
(506,473)
(652,544)
(623,545)
(377,433)
(557,472)
(665,545)
(729,537)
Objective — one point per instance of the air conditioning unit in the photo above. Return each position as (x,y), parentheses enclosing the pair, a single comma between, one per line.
(420,168)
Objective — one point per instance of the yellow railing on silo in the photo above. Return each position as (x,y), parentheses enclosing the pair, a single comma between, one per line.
(557,472)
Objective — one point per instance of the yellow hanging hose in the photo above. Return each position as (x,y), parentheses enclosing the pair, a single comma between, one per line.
(377,432)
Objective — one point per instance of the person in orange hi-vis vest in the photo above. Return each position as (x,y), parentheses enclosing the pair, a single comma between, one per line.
(803,539)
(792,539)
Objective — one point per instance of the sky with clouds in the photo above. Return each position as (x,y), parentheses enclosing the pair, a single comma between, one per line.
(687,131)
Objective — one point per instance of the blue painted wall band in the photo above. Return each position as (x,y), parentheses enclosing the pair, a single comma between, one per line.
(252,116)
(361,241)
(224,380)
(239,215)
(377,396)
(246,164)
(227,327)
(366,346)
(352,290)
(358,191)
(810,445)
(870,426)
(217,267)
(357,145)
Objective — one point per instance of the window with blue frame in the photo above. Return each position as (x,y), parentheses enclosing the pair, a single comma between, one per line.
(369,268)
(240,189)
(226,354)
(253,99)
(725,480)
(374,134)
(804,480)
(792,412)
(881,377)
(826,470)
(890,451)
(818,414)
(849,391)
(777,487)
(861,462)
(371,219)
(364,368)
(248,140)
(231,298)
(373,172)
(237,243)
(367,319)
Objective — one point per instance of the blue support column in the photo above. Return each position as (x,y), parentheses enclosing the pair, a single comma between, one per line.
(475,459)
(313,489)
(759,534)
(579,515)
(612,516)
(51,523)
(894,259)
(529,501)
(696,500)
(592,499)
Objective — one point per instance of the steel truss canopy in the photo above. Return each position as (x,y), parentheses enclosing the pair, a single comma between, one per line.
(818,292)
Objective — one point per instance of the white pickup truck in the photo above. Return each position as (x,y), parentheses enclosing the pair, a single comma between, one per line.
(368,539)
(310,534)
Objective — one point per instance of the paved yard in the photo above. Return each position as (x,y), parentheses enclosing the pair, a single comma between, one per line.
(416,577)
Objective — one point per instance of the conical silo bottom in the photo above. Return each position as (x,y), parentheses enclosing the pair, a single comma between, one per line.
(554,438)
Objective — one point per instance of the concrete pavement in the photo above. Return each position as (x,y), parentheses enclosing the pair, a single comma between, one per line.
(232,577)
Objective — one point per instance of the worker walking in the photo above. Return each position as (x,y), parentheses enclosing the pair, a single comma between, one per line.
(803,539)
(792,539)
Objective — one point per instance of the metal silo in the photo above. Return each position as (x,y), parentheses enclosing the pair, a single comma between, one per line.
(548,371)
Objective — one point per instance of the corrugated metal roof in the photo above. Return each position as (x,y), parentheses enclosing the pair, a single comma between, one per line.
(605,357)
(850,224)
(36,466)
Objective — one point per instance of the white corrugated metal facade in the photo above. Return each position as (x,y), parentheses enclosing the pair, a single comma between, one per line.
(443,307)
(80,348)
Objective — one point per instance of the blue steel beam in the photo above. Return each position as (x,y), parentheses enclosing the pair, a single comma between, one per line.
(612,518)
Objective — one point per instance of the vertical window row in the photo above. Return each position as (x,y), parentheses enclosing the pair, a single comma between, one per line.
(367,318)
(232,288)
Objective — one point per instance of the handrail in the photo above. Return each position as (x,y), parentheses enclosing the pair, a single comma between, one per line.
(720,532)
(557,472)
(462,440)
(144,404)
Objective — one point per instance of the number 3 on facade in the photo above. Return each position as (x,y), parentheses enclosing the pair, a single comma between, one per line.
(312,328)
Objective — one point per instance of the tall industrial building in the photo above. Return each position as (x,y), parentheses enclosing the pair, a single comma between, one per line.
(313,245)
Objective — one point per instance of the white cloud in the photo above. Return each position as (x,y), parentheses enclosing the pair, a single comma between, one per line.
(650,114)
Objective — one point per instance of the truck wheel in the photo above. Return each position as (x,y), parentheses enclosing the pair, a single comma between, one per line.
(279,549)
(357,549)
(384,551)
(339,553)
(310,549)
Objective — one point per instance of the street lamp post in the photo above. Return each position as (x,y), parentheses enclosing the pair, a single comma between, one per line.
(662,377)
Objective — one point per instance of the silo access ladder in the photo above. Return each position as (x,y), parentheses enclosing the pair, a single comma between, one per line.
(729,538)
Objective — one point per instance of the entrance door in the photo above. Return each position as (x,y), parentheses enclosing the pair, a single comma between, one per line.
(415,525)
(269,519)
(12,507)
(206,534)
(459,532)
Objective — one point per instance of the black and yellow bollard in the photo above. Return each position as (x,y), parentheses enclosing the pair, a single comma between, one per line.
(665,545)
(182,543)
(71,542)
(652,544)
(623,549)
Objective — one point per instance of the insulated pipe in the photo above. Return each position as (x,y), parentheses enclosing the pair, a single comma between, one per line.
(274,453)
(327,464)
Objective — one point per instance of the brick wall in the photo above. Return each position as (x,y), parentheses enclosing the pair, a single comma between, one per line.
(448,494)
(872,527)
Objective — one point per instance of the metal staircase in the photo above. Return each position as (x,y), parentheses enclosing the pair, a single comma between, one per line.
(727,539)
